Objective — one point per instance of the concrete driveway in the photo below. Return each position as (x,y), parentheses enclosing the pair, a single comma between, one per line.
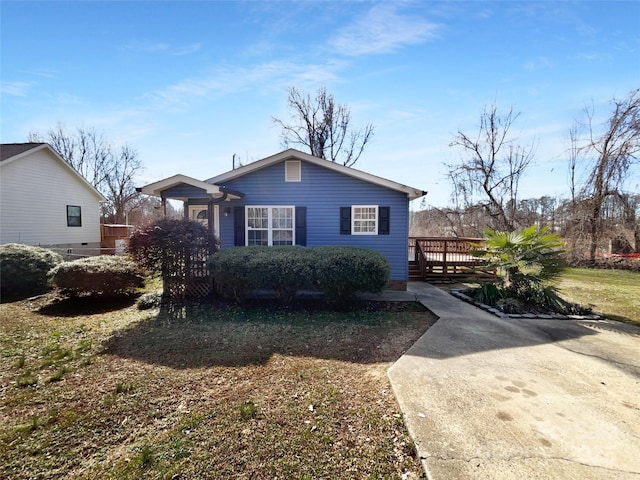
(487,398)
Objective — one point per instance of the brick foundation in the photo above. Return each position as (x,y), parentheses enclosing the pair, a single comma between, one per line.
(397,285)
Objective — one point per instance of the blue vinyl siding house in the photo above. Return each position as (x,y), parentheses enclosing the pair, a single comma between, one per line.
(293,198)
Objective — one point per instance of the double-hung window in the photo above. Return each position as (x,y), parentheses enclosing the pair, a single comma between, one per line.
(364,220)
(74,216)
(272,225)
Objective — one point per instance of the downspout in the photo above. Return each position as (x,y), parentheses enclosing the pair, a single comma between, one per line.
(212,202)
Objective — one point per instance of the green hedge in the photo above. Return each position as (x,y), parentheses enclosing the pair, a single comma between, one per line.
(338,272)
(343,271)
(231,272)
(105,275)
(24,268)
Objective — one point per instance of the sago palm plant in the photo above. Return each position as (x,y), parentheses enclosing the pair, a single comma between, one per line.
(530,259)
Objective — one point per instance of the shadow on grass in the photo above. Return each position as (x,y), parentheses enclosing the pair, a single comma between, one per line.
(7,296)
(201,336)
(86,305)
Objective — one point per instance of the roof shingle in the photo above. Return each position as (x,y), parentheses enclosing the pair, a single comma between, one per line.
(9,150)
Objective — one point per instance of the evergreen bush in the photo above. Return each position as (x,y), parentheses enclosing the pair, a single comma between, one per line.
(232,272)
(281,269)
(106,275)
(338,272)
(341,272)
(24,268)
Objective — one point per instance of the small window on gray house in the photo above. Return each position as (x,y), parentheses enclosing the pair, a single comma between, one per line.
(74,216)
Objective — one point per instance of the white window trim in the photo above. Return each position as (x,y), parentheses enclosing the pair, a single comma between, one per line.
(269,223)
(353,219)
(293,171)
(194,210)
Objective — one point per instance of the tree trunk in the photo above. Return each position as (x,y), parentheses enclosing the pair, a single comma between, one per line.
(593,223)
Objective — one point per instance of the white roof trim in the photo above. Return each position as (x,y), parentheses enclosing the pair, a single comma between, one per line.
(156,188)
(46,146)
(291,153)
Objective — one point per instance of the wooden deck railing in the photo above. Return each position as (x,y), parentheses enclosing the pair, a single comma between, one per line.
(440,257)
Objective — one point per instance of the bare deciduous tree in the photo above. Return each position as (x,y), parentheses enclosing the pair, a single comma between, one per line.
(109,169)
(323,128)
(610,150)
(121,192)
(491,167)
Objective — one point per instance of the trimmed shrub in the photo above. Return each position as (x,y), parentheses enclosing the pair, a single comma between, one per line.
(24,268)
(105,275)
(341,272)
(284,270)
(232,275)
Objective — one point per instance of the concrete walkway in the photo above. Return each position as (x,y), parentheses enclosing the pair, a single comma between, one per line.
(487,398)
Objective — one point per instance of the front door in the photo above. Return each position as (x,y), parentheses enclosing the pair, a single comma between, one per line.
(198,213)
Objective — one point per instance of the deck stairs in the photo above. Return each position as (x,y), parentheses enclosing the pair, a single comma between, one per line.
(414,271)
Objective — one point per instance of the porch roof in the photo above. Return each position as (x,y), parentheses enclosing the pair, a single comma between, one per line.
(182,187)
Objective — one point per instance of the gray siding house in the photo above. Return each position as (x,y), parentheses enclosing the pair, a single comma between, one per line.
(293,198)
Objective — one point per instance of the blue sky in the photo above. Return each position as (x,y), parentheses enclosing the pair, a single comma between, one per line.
(189,84)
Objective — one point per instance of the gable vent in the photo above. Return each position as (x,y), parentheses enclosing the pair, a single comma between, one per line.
(292,171)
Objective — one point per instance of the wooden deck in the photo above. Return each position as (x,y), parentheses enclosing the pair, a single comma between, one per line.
(446,258)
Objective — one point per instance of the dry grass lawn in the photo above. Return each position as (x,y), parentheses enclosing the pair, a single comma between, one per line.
(614,293)
(104,390)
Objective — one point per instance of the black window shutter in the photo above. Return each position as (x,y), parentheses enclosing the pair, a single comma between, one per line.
(345,220)
(383,220)
(238,227)
(301,226)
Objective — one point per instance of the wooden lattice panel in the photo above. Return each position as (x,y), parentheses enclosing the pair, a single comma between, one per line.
(197,289)
(187,276)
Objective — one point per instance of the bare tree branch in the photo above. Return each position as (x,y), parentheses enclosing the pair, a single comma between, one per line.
(111,173)
(490,172)
(323,128)
(610,149)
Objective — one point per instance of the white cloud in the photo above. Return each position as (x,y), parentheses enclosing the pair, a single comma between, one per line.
(43,72)
(383,30)
(145,46)
(276,74)
(16,89)
(186,49)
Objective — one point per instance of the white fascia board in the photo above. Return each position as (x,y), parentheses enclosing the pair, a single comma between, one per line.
(155,189)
